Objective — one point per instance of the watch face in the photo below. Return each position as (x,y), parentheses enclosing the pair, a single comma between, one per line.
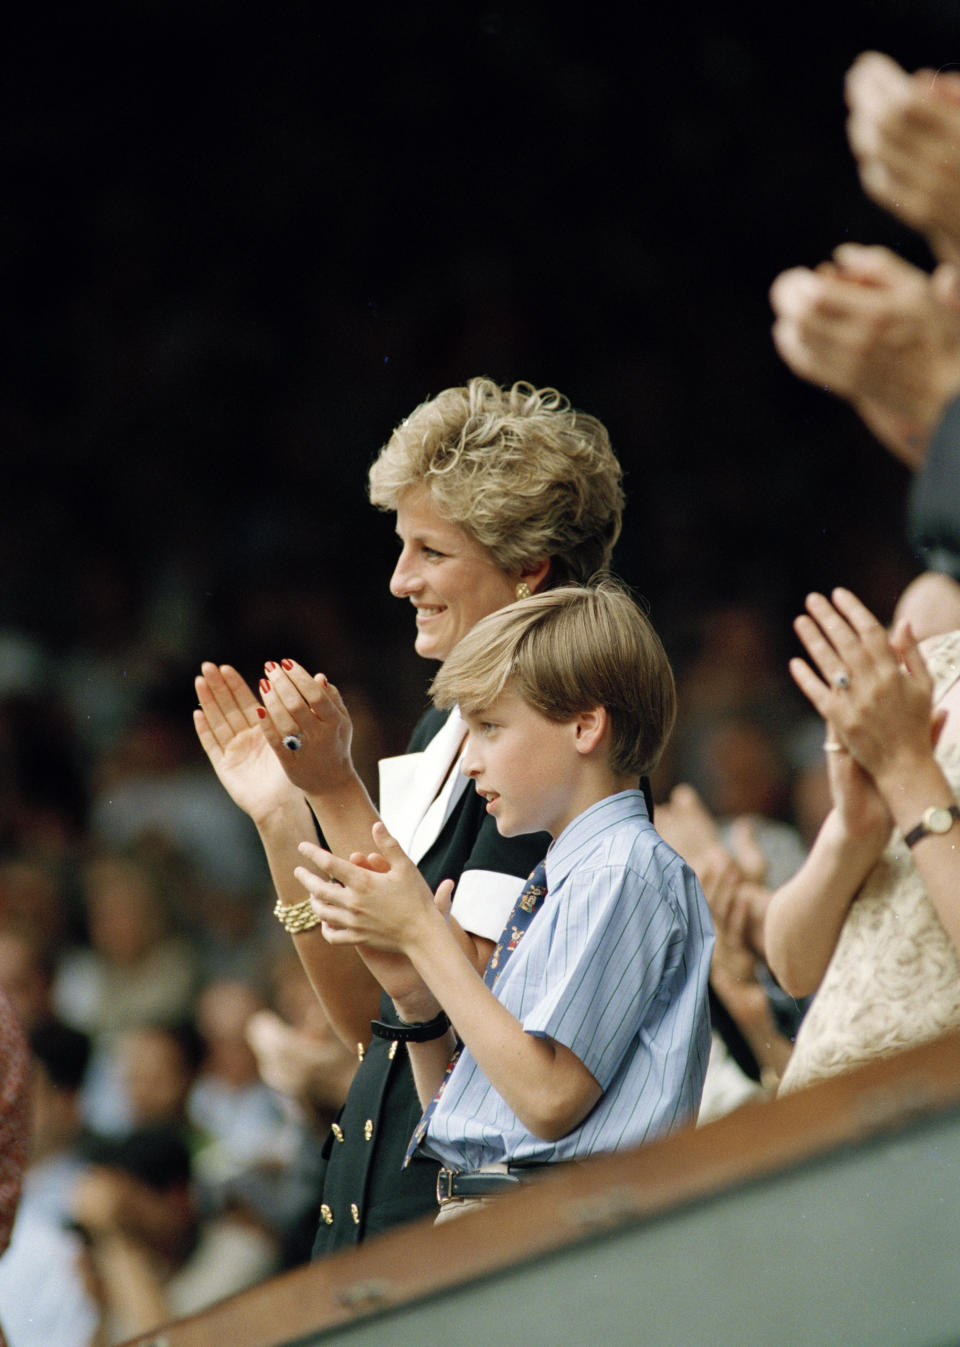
(938,820)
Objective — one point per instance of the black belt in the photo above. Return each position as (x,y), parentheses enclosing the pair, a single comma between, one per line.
(481,1183)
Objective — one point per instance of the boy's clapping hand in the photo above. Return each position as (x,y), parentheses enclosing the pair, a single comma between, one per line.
(379,899)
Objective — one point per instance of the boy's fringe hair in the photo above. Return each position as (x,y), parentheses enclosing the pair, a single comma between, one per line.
(564,651)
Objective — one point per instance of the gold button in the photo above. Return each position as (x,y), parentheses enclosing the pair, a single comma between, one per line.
(360,1051)
(355,1213)
(326,1215)
(368,1129)
(337,1131)
(392,1050)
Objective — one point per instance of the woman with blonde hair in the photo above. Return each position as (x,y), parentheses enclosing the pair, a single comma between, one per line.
(498,493)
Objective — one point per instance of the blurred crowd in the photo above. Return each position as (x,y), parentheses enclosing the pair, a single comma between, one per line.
(184,1078)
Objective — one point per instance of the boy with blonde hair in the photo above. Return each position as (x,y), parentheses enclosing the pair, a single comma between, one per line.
(589,1030)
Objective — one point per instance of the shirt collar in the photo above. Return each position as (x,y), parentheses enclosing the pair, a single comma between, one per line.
(579,836)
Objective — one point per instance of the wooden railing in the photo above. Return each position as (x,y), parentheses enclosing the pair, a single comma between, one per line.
(583,1203)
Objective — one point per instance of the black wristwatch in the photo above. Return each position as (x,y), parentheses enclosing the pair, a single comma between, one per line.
(402,1032)
(939,818)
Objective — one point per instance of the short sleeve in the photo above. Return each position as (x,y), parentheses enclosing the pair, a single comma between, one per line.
(614,947)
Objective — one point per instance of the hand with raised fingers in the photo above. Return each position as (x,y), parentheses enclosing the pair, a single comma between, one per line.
(229,729)
(314,1069)
(874,691)
(904,131)
(308,727)
(746,849)
(394,972)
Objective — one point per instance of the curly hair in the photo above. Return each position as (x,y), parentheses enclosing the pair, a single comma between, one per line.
(518,469)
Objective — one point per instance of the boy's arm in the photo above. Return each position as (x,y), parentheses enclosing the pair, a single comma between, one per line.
(544,1083)
(230,730)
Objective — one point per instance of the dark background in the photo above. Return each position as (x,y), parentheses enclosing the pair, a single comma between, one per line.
(239,244)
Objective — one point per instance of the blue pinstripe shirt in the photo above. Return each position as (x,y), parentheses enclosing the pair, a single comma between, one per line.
(615,967)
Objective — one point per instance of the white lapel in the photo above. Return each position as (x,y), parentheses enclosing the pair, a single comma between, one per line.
(418,791)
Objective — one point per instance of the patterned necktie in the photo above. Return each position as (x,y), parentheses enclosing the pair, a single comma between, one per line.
(524,910)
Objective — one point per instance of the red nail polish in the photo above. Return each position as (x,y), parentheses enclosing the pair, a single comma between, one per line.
(286,664)
(261,713)
(270,665)
(264,685)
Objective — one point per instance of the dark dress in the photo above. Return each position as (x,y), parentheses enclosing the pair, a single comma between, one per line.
(366,1190)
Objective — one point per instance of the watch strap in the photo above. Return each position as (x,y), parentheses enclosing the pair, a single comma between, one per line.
(923,829)
(402,1032)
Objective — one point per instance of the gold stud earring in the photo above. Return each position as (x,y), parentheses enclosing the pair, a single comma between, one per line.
(523,590)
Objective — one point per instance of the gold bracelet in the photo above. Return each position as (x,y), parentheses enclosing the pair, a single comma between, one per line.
(299,917)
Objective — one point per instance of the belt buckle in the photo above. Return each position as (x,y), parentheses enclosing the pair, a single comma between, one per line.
(445,1178)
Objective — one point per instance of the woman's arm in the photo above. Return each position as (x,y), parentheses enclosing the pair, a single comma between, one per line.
(231,731)
(391,907)
(877,694)
(912,782)
(805,916)
(127,1270)
(910,791)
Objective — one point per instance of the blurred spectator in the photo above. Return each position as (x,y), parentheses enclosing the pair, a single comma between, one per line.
(155,1257)
(736,712)
(810,799)
(739,769)
(152,787)
(736,663)
(135,971)
(298,1054)
(229,1102)
(58,1137)
(36,895)
(259,1149)
(159,1065)
(754,1021)
(26,972)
